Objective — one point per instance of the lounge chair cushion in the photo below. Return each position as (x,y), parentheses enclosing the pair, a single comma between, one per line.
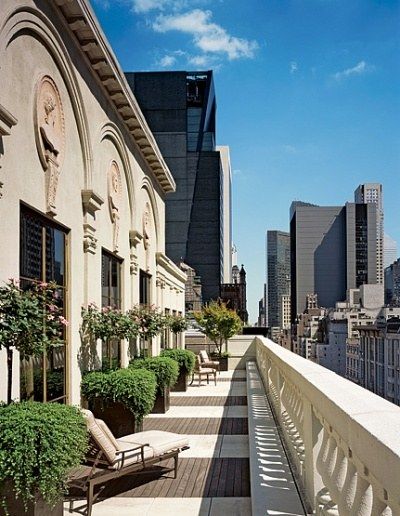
(204,356)
(107,431)
(102,439)
(160,442)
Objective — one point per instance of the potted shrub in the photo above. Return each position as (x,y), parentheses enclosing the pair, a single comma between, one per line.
(166,371)
(186,360)
(31,322)
(219,324)
(40,443)
(121,397)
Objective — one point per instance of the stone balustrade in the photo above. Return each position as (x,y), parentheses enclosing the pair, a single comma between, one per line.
(342,440)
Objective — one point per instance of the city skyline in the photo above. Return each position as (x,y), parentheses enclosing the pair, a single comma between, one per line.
(307,99)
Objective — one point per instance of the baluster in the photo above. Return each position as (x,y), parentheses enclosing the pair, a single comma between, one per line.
(379,507)
(362,503)
(330,508)
(338,475)
(323,497)
(346,498)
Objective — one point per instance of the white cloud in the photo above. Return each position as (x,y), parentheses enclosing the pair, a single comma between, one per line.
(144,6)
(207,36)
(167,61)
(359,69)
(293,67)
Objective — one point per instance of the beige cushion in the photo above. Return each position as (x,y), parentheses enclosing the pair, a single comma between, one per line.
(159,441)
(204,356)
(107,431)
(206,370)
(101,438)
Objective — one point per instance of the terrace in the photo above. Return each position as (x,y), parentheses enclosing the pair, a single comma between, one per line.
(316,443)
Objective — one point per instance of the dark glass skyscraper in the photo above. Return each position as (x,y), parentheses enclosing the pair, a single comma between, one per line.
(278,273)
(180,110)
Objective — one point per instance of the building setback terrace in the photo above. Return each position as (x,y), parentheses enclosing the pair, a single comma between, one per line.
(283,437)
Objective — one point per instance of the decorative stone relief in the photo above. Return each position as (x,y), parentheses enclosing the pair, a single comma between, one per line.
(91,202)
(114,200)
(146,226)
(50,136)
(89,239)
(7,120)
(134,238)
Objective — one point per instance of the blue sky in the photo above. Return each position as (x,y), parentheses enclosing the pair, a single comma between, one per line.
(307,93)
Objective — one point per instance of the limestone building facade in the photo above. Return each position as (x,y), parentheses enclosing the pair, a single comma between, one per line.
(84,182)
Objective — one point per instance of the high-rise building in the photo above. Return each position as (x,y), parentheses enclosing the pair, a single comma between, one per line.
(278,274)
(333,248)
(372,193)
(361,245)
(389,250)
(226,213)
(392,284)
(180,110)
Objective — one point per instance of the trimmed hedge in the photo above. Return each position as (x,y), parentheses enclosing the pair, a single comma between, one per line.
(39,444)
(185,358)
(166,369)
(134,388)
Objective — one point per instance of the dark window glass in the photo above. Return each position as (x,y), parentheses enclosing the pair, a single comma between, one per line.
(111,296)
(42,258)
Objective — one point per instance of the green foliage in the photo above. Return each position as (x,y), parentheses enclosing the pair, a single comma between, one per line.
(166,369)
(39,444)
(134,388)
(177,323)
(30,320)
(150,321)
(107,323)
(218,323)
(185,358)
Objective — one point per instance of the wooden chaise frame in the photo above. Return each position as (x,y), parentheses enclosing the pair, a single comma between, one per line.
(100,471)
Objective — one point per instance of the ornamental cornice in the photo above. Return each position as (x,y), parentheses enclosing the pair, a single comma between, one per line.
(7,121)
(91,201)
(83,23)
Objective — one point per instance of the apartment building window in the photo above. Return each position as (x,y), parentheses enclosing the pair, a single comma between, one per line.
(43,252)
(111,297)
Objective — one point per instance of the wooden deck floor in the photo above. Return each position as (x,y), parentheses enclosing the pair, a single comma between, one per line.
(197,476)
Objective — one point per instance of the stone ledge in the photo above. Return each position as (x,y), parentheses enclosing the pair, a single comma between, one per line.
(272,487)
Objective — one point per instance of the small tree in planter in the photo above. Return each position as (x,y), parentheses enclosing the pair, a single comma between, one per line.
(219,324)
(166,371)
(186,360)
(31,321)
(106,324)
(121,397)
(40,443)
(177,324)
(149,321)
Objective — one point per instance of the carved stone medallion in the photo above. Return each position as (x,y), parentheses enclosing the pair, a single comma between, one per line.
(50,136)
(114,199)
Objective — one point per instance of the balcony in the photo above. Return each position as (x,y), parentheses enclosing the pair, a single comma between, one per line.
(279,435)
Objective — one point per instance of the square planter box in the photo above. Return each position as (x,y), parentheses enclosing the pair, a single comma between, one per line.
(15,506)
(161,405)
(182,383)
(117,417)
(223,362)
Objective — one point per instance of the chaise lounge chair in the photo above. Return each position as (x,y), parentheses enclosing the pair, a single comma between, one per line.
(110,458)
